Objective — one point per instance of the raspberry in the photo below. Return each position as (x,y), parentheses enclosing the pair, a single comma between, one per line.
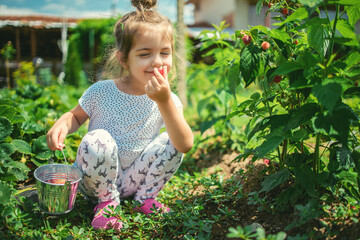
(265,45)
(246,39)
(277,79)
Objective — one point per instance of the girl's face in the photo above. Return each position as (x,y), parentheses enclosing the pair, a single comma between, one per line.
(151,49)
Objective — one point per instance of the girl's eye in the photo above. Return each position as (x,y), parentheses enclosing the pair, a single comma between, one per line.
(144,54)
(165,53)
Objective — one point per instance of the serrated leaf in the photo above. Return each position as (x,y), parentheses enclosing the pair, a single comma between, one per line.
(269,145)
(347,31)
(208,124)
(259,6)
(301,115)
(328,95)
(341,119)
(298,15)
(280,35)
(18,170)
(322,124)
(249,64)
(6,149)
(306,177)
(5,193)
(353,59)
(22,146)
(318,38)
(7,111)
(285,68)
(224,96)
(352,91)
(5,128)
(353,13)
(234,77)
(311,3)
(275,180)
(340,159)
(40,148)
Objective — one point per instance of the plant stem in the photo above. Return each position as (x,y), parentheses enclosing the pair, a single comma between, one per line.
(283,154)
(317,155)
(334,30)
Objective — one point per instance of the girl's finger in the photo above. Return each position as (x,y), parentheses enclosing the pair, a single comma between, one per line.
(160,78)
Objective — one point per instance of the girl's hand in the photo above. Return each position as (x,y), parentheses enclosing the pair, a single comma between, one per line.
(158,88)
(56,136)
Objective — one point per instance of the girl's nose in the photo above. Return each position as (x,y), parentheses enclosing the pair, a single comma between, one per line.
(157,62)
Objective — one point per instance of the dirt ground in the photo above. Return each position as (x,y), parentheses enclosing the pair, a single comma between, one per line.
(272,222)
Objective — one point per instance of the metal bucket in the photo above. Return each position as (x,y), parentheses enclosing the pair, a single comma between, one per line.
(57,186)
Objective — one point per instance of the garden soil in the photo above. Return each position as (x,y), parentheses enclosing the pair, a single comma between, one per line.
(251,174)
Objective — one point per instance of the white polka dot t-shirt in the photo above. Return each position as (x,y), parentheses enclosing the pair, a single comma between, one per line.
(132,120)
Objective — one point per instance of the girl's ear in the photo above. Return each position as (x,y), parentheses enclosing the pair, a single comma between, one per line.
(120,58)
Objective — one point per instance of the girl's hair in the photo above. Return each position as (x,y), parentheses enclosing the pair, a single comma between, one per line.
(128,27)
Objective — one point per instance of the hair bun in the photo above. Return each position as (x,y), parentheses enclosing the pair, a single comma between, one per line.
(144,4)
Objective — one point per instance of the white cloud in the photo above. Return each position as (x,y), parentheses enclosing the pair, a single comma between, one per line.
(54,8)
(80,2)
(14,11)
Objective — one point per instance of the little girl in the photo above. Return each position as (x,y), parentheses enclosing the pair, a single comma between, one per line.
(123,153)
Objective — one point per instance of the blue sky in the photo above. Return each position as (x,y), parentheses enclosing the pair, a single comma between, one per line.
(84,8)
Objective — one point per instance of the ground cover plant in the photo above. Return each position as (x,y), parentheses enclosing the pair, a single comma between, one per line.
(276,122)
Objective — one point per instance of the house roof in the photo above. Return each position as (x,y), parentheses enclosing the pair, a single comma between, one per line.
(37,21)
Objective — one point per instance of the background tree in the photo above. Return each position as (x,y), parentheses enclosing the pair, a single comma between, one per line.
(8,52)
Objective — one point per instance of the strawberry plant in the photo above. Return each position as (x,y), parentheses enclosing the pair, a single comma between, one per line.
(306,115)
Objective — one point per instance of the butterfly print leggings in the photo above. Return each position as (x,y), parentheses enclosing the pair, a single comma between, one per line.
(105,180)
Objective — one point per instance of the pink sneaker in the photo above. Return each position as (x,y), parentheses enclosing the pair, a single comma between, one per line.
(101,222)
(150,204)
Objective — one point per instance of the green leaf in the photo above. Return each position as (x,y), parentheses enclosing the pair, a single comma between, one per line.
(353,13)
(347,31)
(318,38)
(352,91)
(7,111)
(40,148)
(5,193)
(224,96)
(22,146)
(269,145)
(17,171)
(250,63)
(346,176)
(311,3)
(285,68)
(6,149)
(306,177)
(280,35)
(343,2)
(275,180)
(298,15)
(328,95)
(322,124)
(340,159)
(234,77)
(301,115)
(353,59)
(208,124)
(341,119)
(5,128)
(299,135)
(259,6)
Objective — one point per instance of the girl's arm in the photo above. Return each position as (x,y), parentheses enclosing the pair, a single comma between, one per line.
(180,133)
(67,123)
